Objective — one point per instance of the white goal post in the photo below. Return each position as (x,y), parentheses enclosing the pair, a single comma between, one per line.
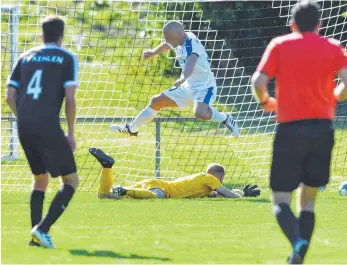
(13,23)
(109,38)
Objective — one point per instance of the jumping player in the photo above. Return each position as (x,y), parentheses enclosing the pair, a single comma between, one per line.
(206,184)
(40,80)
(304,65)
(196,86)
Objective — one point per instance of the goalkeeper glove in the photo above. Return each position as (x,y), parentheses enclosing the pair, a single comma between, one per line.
(252,191)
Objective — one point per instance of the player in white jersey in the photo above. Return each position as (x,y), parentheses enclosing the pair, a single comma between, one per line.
(196,86)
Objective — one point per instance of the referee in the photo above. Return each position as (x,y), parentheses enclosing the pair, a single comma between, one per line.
(36,88)
(305,66)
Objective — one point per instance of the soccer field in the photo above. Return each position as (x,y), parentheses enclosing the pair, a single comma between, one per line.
(109,38)
(170,231)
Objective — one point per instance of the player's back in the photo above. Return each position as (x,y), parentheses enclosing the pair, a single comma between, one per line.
(197,185)
(202,75)
(305,72)
(44,72)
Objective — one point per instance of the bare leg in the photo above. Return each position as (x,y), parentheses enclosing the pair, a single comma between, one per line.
(205,112)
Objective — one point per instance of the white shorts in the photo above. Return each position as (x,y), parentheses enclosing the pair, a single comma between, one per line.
(186,97)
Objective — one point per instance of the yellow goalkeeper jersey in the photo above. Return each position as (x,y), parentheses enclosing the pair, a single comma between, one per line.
(194,186)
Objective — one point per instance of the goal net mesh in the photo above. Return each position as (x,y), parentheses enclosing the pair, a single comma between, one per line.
(116,84)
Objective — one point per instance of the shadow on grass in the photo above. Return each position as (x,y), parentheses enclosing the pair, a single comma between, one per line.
(248,199)
(111,254)
(257,200)
(239,186)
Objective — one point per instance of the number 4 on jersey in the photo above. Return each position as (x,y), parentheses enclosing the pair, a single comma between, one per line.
(34,86)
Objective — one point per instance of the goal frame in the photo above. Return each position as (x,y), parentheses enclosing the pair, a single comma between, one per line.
(13,12)
(158,135)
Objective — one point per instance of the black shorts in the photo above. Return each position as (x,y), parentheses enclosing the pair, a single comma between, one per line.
(47,150)
(301,154)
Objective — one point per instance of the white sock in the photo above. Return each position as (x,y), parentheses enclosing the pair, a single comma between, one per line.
(218,116)
(145,116)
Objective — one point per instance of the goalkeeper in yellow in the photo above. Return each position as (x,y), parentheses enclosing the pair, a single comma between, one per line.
(208,184)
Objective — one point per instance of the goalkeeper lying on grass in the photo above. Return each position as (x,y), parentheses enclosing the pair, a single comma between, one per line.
(200,185)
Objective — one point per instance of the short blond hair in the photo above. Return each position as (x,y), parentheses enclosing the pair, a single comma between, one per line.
(215,168)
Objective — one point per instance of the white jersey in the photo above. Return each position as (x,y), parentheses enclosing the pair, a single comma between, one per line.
(202,77)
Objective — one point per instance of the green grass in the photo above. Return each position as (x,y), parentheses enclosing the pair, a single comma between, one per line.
(169,231)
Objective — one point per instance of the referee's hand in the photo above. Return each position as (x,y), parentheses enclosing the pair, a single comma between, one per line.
(72,142)
(269,105)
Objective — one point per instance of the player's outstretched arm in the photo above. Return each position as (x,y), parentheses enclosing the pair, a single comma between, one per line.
(226,193)
(247,191)
(340,91)
(163,47)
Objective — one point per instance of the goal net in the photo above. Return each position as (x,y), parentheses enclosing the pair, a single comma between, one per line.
(116,84)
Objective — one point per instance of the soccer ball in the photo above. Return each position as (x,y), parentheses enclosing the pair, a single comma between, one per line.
(343,189)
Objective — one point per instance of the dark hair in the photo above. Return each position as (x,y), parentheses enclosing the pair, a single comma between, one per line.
(52,28)
(305,15)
